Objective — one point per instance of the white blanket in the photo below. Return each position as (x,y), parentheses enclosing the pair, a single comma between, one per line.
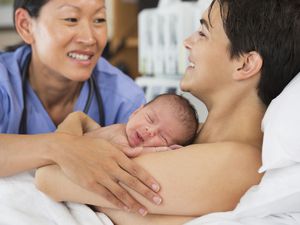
(23,204)
(275,201)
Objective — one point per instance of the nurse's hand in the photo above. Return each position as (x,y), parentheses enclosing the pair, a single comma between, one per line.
(99,166)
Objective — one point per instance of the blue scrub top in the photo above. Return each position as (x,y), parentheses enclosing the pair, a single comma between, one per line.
(121,96)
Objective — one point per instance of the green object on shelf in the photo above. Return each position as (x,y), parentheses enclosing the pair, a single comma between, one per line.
(6,2)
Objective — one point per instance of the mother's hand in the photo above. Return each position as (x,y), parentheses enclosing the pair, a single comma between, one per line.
(99,166)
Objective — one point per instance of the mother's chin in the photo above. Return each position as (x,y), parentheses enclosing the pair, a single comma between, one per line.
(183,85)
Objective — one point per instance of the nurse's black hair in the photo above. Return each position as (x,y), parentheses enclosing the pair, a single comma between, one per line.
(271,28)
(33,7)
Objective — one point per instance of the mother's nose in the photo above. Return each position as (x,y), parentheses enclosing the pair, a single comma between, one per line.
(188,42)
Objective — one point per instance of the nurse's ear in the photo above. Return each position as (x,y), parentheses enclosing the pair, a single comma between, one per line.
(249,65)
(23,23)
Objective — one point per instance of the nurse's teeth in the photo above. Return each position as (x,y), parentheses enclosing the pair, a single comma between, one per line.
(192,65)
(78,56)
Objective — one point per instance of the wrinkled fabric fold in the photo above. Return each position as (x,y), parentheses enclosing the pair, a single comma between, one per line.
(23,204)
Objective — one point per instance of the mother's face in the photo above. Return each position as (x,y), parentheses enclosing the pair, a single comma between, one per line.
(210,65)
(69,36)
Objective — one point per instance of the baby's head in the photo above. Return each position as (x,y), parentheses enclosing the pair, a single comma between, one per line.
(166,120)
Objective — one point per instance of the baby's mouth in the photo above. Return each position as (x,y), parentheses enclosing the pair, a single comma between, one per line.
(139,137)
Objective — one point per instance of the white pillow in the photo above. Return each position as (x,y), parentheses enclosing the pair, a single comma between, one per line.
(281,127)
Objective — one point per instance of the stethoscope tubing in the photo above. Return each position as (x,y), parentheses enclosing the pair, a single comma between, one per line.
(92,90)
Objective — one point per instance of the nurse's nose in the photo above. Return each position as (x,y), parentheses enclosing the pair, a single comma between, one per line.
(86,35)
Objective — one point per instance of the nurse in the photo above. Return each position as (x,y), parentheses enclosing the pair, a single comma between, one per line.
(59,70)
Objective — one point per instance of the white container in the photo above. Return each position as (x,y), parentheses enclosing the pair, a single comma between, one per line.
(162,32)
(145,32)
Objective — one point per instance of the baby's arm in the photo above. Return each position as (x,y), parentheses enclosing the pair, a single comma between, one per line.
(123,218)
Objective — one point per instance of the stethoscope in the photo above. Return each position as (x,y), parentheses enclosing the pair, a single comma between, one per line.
(92,89)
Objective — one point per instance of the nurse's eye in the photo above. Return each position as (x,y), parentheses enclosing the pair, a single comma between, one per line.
(99,20)
(71,20)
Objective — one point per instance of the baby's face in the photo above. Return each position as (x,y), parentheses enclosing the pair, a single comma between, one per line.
(154,125)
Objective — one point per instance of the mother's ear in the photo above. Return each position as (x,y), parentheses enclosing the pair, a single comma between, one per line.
(250,65)
(23,23)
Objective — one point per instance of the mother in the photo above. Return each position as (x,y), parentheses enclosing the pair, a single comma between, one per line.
(242,57)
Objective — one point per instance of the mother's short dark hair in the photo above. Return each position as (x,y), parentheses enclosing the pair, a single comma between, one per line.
(271,28)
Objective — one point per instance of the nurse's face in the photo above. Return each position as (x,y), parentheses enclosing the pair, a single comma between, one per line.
(210,65)
(69,37)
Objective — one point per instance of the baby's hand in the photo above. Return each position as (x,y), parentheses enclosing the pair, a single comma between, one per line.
(174,147)
(134,152)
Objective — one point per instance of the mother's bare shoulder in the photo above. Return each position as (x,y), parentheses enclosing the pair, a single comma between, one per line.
(217,174)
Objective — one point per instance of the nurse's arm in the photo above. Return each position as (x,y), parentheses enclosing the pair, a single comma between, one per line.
(20,153)
(195,180)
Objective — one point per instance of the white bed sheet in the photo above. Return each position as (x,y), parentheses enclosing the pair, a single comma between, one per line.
(23,204)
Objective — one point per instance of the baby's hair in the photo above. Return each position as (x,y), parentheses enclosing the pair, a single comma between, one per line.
(184,111)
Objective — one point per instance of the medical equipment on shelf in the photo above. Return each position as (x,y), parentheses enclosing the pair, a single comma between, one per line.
(162,31)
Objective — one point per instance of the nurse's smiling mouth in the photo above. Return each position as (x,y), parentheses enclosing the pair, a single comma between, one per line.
(82,57)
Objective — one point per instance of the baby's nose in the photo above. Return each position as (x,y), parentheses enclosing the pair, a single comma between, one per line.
(150,131)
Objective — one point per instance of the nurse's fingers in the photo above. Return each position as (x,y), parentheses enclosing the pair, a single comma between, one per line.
(134,182)
(138,179)
(129,203)
(108,195)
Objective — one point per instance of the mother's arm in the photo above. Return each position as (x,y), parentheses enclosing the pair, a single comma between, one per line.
(195,180)
(122,218)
